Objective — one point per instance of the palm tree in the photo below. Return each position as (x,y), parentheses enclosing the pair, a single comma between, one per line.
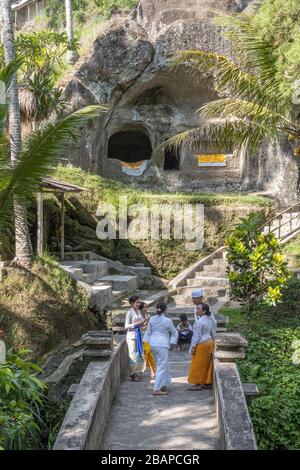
(72,55)
(23,248)
(39,152)
(251,107)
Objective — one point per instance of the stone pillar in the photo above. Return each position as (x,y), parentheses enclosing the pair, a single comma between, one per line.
(235,425)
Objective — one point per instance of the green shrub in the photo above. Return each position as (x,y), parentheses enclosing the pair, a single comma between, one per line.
(21,395)
(269,363)
(55,10)
(258,270)
(278,21)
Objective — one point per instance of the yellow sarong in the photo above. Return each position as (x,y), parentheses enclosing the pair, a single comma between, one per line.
(201,368)
(149,358)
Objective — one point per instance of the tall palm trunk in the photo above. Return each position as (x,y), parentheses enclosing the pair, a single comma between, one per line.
(72,56)
(23,245)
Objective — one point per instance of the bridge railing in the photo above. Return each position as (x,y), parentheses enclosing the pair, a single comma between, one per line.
(235,425)
(86,417)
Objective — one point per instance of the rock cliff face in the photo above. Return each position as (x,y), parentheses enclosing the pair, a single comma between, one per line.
(129,69)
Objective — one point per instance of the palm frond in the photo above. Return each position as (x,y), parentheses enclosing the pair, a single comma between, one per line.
(225,134)
(8,71)
(42,149)
(243,109)
(254,53)
(228,77)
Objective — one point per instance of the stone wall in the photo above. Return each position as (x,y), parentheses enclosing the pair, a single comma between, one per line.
(129,69)
(86,417)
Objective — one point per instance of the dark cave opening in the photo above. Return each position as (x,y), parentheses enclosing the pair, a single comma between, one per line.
(129,146)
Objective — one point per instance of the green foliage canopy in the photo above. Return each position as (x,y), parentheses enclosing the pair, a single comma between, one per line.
(257,268)
(55,10)
(21,394)
(278,22)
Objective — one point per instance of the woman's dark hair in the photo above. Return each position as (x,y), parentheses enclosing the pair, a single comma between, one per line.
(141,305)
(205,309)
(133,299)
(161,308)
(183,317)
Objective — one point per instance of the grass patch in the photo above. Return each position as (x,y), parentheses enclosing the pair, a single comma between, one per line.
(293,247)
(275,413)
(110,190)
(42,309)
(165,257)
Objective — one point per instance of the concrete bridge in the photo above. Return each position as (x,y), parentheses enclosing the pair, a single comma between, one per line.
(110,412)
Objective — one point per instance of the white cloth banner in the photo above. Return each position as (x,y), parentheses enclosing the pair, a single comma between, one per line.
(135,171)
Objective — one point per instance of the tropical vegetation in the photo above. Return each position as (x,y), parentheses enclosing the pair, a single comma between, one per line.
(271,363)
(55,10)
(257,268)
(252,106)
(21,396)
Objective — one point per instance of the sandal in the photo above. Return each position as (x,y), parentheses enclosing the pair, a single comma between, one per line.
(159,392)
(196,388)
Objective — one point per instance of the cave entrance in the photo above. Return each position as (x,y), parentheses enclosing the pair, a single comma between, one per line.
(131,146)
(171,159)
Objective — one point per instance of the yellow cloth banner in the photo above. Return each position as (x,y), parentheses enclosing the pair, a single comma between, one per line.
(211,159)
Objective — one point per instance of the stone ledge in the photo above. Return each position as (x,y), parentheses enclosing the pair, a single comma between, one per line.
(250,390)
(230,341)
(86,417)
(229,356)
(235,425)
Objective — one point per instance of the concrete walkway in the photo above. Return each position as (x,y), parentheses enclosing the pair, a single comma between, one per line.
(182,420)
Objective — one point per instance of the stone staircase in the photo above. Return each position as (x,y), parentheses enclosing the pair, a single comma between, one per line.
(208,274)
(105,281)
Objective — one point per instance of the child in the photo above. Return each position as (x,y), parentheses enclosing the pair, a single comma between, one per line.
(185,331)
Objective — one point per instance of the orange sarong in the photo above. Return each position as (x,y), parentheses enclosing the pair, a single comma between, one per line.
(149,358)
(201,368)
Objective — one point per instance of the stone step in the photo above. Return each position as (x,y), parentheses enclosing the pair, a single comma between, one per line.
(160,296)
(182,299)
(208,281)
(121,282)
(143,270)
(208,291)
(220,262)
(100,295)
(89,278)
(96,267)
(99,268)
(119,294)
(77,271)
(222,321)
(213,270)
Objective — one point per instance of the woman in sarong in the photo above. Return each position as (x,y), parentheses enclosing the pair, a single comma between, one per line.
(161,334)
(202,345)
(149,360)
(133,324)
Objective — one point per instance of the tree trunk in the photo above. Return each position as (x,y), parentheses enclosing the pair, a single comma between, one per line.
(23,244)
(72,56)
